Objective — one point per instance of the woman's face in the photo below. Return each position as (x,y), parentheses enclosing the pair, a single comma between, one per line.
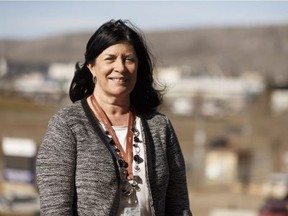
(115,70)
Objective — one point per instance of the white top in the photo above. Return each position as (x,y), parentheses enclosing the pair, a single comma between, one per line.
(143,194)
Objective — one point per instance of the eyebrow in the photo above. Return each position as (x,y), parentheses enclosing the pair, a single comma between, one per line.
(125,55)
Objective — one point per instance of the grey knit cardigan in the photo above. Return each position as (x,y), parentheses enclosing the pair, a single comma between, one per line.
(77,174)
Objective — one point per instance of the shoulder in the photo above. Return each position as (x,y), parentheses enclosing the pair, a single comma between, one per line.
(156,119)
(70,113)
(156,116)
(70,110)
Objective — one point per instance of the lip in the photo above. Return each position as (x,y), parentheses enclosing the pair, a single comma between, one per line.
(123,79)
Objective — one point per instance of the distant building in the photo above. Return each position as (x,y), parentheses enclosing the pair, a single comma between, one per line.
(212,96)
(35,82)
(41,83)
(62,73)
(279,100)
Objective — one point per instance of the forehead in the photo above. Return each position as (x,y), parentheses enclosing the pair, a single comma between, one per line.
(119,48)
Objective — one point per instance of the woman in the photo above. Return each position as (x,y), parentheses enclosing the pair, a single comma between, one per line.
(111,152)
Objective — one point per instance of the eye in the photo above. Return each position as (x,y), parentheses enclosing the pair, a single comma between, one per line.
(130,59)
(109,58)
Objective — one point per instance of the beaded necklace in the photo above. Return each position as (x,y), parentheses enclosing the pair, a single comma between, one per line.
(129,183)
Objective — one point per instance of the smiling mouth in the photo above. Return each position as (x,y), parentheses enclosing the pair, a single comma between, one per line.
(122,79)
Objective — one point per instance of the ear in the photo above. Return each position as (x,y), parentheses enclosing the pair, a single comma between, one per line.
(91,68)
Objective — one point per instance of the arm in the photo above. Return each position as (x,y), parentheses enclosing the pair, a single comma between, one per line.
(55,168)
(177,199)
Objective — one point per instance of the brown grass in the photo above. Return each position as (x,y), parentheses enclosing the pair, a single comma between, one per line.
(21,118)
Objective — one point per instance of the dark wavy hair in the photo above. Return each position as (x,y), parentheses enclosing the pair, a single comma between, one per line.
(145,97)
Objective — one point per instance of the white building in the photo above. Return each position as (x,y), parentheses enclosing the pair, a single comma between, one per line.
(35,82)
(62,73)
(209,95)
(279,101)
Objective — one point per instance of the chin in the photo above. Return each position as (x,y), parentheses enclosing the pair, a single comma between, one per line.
(122,90)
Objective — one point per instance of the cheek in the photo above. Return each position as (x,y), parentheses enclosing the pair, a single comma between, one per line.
(101,71)
(135,75)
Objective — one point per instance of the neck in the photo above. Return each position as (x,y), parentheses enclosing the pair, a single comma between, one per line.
(114,106)
(116,110)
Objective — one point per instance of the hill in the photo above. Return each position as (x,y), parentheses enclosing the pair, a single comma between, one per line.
(231,50)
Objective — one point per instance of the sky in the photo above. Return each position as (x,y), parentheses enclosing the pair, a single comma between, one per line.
(36,19)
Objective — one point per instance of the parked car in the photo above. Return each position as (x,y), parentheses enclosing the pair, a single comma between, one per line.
(274,207)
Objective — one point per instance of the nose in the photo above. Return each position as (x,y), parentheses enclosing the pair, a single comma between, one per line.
(119,65)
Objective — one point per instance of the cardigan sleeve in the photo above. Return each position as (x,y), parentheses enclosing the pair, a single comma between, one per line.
(177,199)
(55,169)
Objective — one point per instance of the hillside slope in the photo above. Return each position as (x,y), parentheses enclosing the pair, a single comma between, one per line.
(232,50)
